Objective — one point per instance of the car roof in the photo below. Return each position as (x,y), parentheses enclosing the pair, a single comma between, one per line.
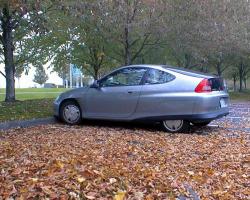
(179,70)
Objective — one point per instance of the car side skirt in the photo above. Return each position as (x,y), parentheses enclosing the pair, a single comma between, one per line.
(193,117)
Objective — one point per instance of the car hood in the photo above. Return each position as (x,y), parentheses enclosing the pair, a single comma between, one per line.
(76,90)
(74,93)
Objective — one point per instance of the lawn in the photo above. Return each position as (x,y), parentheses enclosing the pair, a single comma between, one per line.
(240,96)
(34,93)
(28,109)
(32,103)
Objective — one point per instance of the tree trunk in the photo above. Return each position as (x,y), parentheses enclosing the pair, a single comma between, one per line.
(127,47)
(234,83)
(241,84)
(96,71)
(241,76)
(8,48)
(187,61)
(218,68)
(126,39)
(245,83)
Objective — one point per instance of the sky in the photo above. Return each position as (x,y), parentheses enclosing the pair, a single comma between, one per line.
(26,81)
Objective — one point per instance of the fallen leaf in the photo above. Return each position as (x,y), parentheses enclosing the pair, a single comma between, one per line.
(112,180)
(90,195)
(81,179)
(120,195)
(191,173)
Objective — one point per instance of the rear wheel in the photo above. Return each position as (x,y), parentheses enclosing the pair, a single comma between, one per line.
(176,126)
(201,123)
(70,113)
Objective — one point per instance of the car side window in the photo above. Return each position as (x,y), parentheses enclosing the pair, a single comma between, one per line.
(124,77)
(155,76)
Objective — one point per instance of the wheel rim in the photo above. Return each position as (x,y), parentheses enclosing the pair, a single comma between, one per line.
(173,125)
(71,113)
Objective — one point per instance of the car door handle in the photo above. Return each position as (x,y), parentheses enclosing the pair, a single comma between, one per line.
(130,92)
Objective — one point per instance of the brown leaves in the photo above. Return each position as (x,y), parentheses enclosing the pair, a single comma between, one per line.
(92,162)
(120,195)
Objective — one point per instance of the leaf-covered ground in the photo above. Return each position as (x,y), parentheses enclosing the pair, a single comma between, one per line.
(126,161)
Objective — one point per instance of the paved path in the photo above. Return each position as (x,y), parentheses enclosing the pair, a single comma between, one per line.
(26,123)
(237,120)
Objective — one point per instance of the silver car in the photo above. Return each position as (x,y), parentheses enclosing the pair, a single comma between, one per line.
(172,96)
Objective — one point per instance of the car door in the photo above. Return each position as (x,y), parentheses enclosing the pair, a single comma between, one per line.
(156,94)
(117,95)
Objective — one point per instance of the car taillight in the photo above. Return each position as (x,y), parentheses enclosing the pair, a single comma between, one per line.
(204,86)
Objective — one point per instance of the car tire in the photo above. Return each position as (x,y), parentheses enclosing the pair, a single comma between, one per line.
(70,112)
(176,126)
(200,124)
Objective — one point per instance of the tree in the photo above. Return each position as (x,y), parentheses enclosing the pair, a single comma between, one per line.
(243,70)
(40,76)
(18,73)
(76,37)
(18,20)
(132,28)
(7,26)
(90,49)
(64,74)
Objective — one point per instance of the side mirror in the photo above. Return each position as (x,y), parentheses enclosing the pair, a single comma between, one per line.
(95,85)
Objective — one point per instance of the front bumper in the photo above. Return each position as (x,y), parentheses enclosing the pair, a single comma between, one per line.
(56,107)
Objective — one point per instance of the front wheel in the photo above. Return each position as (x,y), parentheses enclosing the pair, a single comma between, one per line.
(70,113)
(176,126)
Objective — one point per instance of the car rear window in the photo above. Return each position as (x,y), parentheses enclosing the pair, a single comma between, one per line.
(155,76)
(217,84)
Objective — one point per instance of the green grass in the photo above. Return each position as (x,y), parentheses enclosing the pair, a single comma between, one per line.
(32,103)
(240,96)
(34,93)
(28,109)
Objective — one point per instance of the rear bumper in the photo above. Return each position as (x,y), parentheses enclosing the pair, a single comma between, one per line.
(194,117)
(208,116)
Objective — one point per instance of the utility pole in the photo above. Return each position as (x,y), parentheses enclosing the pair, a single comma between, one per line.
(67,83)
(71,75)
(81,80)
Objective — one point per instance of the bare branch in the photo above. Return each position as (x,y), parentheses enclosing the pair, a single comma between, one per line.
(1,38)
(114,58)
(134,12)
(141,48)
(158,41)
(224,68)
(1,15)
(3,74)
(134,42)
(196,65)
